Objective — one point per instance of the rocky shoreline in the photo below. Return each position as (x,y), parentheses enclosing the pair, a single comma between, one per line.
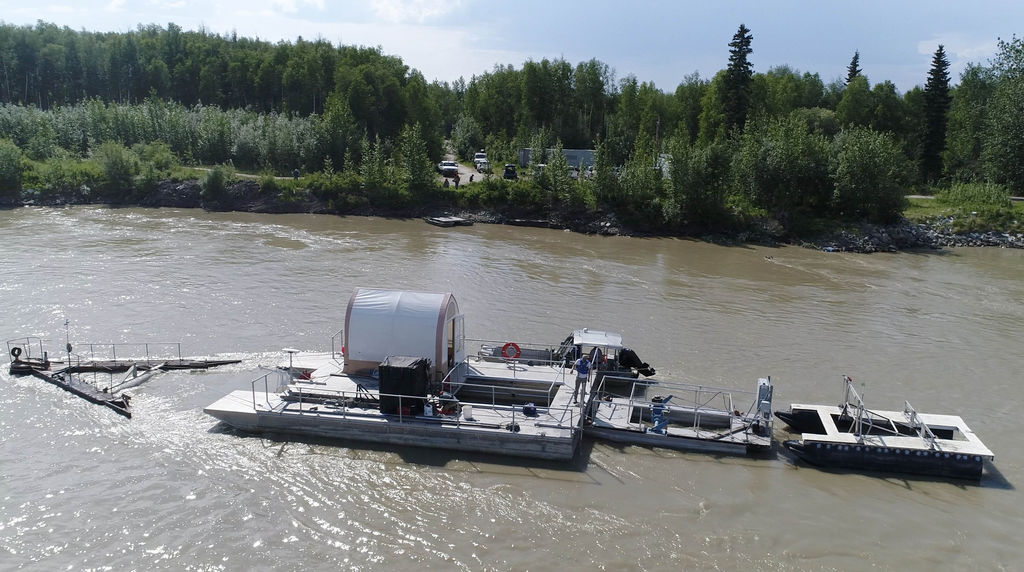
(244,196)
(908,235)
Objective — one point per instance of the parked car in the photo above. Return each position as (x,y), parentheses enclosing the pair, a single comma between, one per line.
(483,166)
(479,156)
(510,172)
(448,169)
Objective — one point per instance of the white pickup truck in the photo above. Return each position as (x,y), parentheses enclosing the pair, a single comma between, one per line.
(448,168)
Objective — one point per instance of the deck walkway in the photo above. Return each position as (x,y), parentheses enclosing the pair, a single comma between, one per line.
(338,405)
(62,379)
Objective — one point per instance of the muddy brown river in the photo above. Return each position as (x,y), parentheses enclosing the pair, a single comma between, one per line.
(84,489)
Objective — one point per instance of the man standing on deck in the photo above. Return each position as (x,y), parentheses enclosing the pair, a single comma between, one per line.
(582,367)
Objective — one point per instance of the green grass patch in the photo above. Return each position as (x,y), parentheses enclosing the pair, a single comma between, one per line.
(968,218)
(1005,219)
(975,195)
(920,210)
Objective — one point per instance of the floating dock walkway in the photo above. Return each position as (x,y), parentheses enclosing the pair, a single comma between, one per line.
(120,404)
(144,364)
(29,358)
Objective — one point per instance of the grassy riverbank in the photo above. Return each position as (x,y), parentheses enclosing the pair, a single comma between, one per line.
(928,223)
(967,217)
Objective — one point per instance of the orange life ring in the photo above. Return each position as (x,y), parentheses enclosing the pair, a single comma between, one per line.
(510,350)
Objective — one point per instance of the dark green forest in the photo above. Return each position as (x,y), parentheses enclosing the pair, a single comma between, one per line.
(110,115)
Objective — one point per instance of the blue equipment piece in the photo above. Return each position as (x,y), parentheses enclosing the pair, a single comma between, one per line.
(658,414)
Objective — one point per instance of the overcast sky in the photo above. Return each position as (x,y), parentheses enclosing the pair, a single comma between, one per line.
(656,41)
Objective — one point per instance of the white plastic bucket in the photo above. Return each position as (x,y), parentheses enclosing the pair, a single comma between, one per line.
(467,412)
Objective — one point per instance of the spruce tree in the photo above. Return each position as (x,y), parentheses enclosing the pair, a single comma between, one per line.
(853,70)
(738,79)
(936,108)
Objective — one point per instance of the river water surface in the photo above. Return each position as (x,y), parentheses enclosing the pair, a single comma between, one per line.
(84,489)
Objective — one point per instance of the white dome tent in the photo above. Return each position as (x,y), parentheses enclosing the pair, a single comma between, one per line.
(381,323)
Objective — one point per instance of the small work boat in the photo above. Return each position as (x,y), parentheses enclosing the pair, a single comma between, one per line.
(447,221)
(851,436)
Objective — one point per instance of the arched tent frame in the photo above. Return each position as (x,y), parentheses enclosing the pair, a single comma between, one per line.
(381,323)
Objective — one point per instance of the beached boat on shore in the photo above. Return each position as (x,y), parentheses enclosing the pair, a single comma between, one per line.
(850,436)
(447,221)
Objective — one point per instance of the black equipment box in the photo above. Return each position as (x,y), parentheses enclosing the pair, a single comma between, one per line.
(407,377)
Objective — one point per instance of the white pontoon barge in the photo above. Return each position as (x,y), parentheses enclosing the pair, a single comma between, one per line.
(851,436)
(399,373)
(398,379)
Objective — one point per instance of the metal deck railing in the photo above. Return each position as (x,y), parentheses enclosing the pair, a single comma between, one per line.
(319,400)
(702,401)
(27,346)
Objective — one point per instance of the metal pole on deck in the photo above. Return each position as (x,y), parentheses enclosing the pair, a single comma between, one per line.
(67,343)
(291,352)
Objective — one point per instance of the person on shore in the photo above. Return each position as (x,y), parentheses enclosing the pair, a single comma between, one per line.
(582,368)
(446,183)
(456,179)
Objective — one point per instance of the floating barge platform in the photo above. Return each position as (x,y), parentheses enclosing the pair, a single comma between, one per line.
(336,405)
(850,436)
(507,398)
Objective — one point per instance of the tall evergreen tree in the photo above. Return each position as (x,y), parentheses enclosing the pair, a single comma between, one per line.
(853,70)
(936,108)
(738,79)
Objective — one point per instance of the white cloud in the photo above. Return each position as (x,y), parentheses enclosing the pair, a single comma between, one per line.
(960,49)
(55,9)
(115,5)
(292,6)
(419,11)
